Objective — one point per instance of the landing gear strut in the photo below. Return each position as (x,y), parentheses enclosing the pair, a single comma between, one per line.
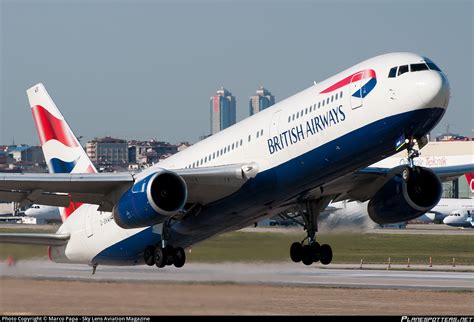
(312,252)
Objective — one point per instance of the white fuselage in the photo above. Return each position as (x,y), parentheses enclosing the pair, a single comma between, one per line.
(277,137)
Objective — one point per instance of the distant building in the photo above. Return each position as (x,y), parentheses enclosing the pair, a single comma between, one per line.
(108,150)
(147,152)
(261,100)
(223,110)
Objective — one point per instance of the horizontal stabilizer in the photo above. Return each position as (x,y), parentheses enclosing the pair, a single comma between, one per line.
(35,239)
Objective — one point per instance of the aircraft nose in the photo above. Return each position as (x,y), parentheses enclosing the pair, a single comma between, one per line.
(433,90)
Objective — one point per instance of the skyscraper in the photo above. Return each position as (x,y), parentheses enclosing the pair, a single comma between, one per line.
(222,107)
(261,100)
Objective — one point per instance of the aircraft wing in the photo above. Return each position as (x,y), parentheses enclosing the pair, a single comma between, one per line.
(363,184)
(205,185)
(35,239)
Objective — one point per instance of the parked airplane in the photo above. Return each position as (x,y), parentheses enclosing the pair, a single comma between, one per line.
(309,149)
(460,219)
(43,213)
(445,207)
(355,213)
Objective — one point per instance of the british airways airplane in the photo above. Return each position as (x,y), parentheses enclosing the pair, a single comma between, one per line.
(308,150)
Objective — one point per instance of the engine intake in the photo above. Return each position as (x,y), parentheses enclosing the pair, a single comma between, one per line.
(151,200)
(407,195)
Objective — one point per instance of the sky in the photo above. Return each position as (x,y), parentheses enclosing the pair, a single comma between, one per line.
(146,69)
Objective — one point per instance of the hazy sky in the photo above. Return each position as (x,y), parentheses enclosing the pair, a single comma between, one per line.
(146,69)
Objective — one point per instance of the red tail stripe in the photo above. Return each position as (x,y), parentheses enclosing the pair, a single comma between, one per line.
(370,73)
(51,128)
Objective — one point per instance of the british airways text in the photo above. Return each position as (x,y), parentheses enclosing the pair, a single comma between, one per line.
(301,132)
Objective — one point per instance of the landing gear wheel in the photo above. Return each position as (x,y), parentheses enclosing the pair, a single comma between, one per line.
(179,257)
(160,257)
(296,252)
(149,255)
(316,250)
(169,255)
(326,254)
(307,255)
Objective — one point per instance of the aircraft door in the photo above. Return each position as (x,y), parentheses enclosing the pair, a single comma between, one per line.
(355,90)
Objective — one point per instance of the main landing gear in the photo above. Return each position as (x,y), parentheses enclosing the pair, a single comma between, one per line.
(312,252)
(164,254)
(162,257)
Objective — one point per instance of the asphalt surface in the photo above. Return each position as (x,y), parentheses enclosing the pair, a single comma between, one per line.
(284,274)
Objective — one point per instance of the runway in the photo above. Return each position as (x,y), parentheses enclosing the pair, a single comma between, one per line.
(283,274)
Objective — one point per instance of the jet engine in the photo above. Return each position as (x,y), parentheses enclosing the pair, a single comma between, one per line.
(405,196)
(151,200)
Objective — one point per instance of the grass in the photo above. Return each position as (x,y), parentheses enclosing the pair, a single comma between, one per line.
(347,248)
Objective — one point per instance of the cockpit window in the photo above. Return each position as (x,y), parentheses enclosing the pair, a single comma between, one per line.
(418,67)
(432,66)
(393,72)
(402,70)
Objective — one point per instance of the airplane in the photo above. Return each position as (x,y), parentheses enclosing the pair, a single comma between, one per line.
(308,150)
(460,219)
(355,213)
(43,213)
(447,206)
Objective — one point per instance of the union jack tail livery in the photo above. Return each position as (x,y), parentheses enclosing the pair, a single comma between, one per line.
(62,151)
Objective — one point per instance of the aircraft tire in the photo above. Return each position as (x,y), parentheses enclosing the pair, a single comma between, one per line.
(169,255)
(326,254)
(179,257)
(149,255)
(160,257)
(316,250)
(308,256)
(296,252)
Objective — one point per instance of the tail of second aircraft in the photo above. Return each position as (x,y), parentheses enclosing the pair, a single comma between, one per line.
(470,181)
(62,151)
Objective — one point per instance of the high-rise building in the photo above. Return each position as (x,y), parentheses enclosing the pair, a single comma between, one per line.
(222,107)
(261,100)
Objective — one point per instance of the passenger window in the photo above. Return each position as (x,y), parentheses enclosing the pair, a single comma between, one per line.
(232,146)
(298,115)
(393,72)
(289,119)
(323,103)
(341,95)
(257,135)
(319,104)
(251,136)
(418,67)
(306,111)
(213,155)
(261,132)
(402,70)
(332,98)
(337,95)
(327,101)
(241,142)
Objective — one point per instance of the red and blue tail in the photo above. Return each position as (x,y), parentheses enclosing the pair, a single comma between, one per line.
(62,151)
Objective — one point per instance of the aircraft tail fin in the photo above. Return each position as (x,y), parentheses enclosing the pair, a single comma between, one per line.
(62,150)
(470,181)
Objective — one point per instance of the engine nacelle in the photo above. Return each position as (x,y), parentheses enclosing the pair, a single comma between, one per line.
(151,200)
(405,196)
